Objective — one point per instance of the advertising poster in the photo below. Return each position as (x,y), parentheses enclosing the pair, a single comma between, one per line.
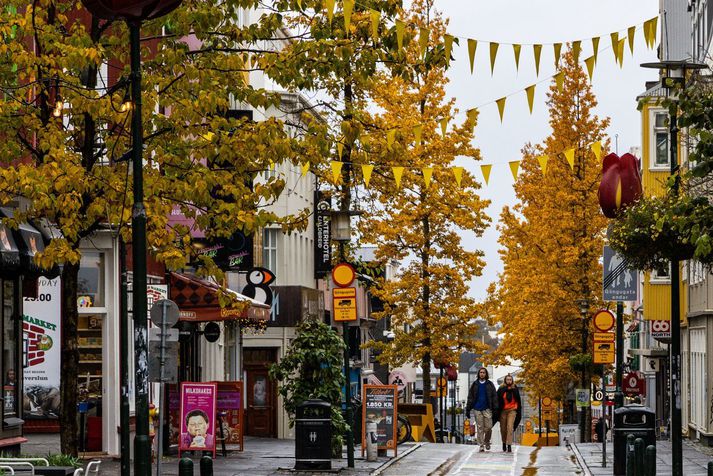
(380,406)
(41,351)
(198,405)
(230,407)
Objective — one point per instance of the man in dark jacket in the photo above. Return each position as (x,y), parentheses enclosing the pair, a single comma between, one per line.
(483,399)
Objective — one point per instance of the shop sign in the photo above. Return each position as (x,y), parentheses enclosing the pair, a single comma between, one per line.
(661,330)
(633,384)
(322,234)
(198,411)
(380,407)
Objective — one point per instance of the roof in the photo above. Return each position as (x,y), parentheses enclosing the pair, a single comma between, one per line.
(656,91)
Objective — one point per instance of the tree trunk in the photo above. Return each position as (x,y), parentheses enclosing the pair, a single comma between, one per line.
(426,371)
(69,427)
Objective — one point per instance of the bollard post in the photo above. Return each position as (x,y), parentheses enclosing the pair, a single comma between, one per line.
(371,440)
(710,468)
(630,463)
(639,448)
(650,461)
(206,466)
(185,467)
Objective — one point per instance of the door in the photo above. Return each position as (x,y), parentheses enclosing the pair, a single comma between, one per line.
(261,392)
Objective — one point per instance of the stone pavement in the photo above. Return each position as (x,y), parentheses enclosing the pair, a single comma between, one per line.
(695,458)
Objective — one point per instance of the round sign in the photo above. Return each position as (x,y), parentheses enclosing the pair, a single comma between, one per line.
(343,275)
(604,320)
(211,331)
(546,402)
(599,395)
(164,310)
(442,382)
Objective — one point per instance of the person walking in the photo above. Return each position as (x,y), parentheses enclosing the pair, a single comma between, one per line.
(483,400)
(510,411)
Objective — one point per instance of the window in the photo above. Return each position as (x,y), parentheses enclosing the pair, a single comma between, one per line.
(661,147)
(697,273)
(698,377)
(9,350)
(662,273)
(90,283)
(269,249)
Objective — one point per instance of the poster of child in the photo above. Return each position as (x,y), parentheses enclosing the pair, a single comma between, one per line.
(198,404)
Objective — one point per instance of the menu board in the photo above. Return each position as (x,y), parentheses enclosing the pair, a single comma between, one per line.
(380,406)
(230,410)
(198,402)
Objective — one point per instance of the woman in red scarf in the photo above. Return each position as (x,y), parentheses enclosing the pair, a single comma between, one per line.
(510,410)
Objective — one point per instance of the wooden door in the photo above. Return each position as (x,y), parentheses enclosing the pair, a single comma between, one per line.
(261,392)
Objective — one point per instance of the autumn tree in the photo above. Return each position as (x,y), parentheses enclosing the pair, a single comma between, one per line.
(418,217)
(65,136)
(551,245)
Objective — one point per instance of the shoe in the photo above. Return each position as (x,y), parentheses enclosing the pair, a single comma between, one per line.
(487,446)
(505,447)
(482,448)
(509,448)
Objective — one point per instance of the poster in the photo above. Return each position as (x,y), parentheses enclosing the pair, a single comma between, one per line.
(41,351)
(198,404)
(380,406)
(230,408)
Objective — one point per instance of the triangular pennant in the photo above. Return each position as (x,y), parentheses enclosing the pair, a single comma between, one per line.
(472,46)
(447,47)
(336,171)
(614,44)
(501,107)
(423,40)
(366,173)
(305,168)
(400,27)
(272,166)
(647,33)
(485,168)
(375,19)
(576,49)
(652,27)
(620,52)
(444,126)
(569,155)
(348,6)
(542,159)
(514,168)
(537,49)
(427,173)
(590,66)
(458,174)
(595,47)
(516,51)
(390,137)
(597,149)
(493,54)
(630,32)
(558,52)
(340,150)
(398,172)
(559,79)
(530,91)
(329,4)
(299,4)
(417,134)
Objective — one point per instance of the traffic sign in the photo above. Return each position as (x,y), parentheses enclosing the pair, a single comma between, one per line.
(344,305)
(621,279)
(603,352)
(603,337)
(547,403)
(603,320)
(442,382)
(598,396)
(343,275)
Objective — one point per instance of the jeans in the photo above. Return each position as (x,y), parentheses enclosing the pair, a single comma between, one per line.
(507,421)
(484,420)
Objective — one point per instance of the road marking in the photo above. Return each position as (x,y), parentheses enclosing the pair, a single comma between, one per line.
(487,463)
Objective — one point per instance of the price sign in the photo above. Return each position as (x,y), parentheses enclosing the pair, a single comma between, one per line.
(380,407)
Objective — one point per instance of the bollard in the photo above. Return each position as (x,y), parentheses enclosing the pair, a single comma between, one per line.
(650,461)
(206,466)
(710,468)
(185,467)
(639,448)
(630,455)
(371,441)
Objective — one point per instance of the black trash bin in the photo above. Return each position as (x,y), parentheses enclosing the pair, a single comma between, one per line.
(636,420)
(313,435)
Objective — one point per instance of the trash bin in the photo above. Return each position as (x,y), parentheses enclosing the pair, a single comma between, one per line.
(313,435)
(636,420)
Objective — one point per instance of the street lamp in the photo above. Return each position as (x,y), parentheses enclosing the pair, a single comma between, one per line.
(134,12)
(674,76)
(584,311)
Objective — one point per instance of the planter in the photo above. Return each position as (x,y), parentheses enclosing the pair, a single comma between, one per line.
(55,470)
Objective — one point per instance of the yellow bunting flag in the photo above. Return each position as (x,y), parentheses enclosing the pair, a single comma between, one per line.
(340,150)
(417,134)
(458,174)
(537,49)
(614,44)
(559,79)
(366,173)
(516,51)
(595,48)
(630,32)
(485,168)
(400,26)
(299,4)
(423,40)
(620,52)
(472,46)
(650,32)
(330,9)
(305,168)
(444,126)
(501,107)
(597,149)
(590,66)
(272,165)
(558,53)
(569,155)
(427,173)
(542,159)
(493,54)
(447,47)
(336,171)
(375,19)
(576,49)
(398,172)
(348,6)
(514,168)
(390,137)
(530,91)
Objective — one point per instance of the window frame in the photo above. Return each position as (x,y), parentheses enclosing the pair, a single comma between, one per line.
(655,130)
(269,249)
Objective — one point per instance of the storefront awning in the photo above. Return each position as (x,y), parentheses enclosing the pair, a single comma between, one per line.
(25,242)
(197,301)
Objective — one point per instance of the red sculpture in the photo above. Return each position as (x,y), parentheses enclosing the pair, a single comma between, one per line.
(130,10)
(620,185)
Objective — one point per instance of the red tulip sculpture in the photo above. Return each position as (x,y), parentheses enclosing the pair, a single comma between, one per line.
(130,10)
(620,185)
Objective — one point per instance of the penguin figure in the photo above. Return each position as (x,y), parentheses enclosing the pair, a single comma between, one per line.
(258,287)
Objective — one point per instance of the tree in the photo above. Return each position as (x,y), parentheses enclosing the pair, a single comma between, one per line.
(64,131)
(418,221)
(312,368)
(551,245)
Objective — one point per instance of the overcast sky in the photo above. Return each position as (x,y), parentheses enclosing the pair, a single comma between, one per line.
(528,22)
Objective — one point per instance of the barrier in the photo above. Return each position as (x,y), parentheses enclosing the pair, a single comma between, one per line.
(420,416)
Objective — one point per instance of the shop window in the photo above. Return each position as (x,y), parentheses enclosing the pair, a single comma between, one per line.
(90,344)
(9,350)
(90,284)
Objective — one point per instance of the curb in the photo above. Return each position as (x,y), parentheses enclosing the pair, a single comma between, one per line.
(580,460)
(392,461)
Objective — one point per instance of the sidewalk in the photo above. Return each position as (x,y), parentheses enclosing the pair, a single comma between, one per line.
(262,457)
(695,458)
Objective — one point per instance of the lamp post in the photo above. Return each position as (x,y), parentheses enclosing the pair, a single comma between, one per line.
(584,311)
(674,75)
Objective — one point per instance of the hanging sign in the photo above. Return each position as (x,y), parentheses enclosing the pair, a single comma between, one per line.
(322,234)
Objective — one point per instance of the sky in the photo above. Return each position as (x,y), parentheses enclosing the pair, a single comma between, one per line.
(529,22)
